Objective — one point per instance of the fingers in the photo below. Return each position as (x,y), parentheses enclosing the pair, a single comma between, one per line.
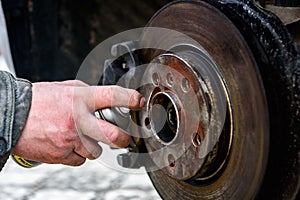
(103,131)
(84,148)
(73,160)
(115,96)
(106,96)
(99,97)
(88,148)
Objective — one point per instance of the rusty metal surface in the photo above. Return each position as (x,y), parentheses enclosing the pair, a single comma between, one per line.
(182,112)
(250,117)
(279,64)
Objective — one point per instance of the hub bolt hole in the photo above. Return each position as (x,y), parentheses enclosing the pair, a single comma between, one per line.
(170,79)
(147,122)
(155,79)
(171,160)
(185,85)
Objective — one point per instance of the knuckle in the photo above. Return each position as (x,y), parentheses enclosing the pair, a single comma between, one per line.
(126,141)
(92,157)
(61,145)
(119,139)
(113,136)
(79,162)
(58,155)
(135,99)
(74,162)
(114,91)
(96,155)
(64,144)
(97,152)
(93,154)
(108,90)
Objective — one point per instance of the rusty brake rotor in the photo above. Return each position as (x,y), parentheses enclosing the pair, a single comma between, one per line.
(224,62)
(186,110)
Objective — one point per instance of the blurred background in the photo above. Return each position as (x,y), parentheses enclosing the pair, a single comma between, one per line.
(91,181)
(50,38)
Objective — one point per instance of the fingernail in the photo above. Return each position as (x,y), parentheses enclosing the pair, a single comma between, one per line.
(142,102)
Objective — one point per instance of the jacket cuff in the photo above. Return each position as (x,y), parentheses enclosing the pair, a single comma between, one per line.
(23,99)
(15,102)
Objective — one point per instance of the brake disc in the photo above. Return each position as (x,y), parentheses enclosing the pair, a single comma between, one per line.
(222,88)
(247,111)
(234,167)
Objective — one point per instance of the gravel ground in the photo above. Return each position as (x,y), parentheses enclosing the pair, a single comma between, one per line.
(91,181)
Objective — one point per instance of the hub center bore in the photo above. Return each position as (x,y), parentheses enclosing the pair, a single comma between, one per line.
(164,115)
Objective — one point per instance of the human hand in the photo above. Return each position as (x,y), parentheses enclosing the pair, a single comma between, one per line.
(61,126)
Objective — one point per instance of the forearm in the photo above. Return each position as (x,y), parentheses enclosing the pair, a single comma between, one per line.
(15,102)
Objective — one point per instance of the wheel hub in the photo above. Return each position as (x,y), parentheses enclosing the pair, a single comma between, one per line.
(186,108)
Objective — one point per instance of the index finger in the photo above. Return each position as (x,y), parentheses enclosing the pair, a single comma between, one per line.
(116,96)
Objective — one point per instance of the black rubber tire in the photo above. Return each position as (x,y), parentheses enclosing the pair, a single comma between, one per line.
(279,64)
